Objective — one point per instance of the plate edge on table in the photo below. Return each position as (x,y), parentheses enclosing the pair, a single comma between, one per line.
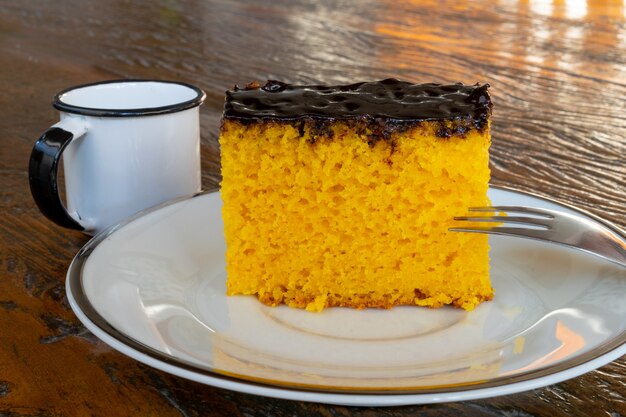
(600,356)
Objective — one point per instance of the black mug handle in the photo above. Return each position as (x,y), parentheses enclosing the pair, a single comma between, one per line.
(42,175)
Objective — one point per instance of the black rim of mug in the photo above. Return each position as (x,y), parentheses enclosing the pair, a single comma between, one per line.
(147,111)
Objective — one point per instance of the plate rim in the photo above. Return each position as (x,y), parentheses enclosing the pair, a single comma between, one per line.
(125,344)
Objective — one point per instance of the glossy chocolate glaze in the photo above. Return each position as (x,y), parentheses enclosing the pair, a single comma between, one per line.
(390,103)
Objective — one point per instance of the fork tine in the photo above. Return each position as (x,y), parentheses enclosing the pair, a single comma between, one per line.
(515,209)
(503,230)
(530,221)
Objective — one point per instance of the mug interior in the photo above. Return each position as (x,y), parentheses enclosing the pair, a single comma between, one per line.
(129,97)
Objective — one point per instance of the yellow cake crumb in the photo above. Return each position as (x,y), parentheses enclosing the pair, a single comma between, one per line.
(320,219)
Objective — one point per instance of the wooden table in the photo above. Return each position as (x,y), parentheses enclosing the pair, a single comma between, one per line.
(558,75)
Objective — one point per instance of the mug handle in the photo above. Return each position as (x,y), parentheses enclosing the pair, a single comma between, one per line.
(43,167)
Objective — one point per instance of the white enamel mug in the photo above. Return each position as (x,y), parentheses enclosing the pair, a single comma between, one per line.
(127,145)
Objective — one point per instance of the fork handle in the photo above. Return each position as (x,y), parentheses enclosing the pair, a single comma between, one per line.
(606,245)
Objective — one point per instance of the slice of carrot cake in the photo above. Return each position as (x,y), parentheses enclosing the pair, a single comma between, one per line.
(343,195)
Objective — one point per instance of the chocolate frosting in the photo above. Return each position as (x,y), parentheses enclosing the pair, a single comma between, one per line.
(390,100)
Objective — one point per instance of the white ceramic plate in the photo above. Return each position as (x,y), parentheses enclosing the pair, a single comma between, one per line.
(153,288)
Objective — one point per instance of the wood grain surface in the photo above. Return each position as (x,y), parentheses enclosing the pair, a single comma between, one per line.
(558,76)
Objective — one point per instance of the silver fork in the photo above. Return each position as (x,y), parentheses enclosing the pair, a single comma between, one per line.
(558,227)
